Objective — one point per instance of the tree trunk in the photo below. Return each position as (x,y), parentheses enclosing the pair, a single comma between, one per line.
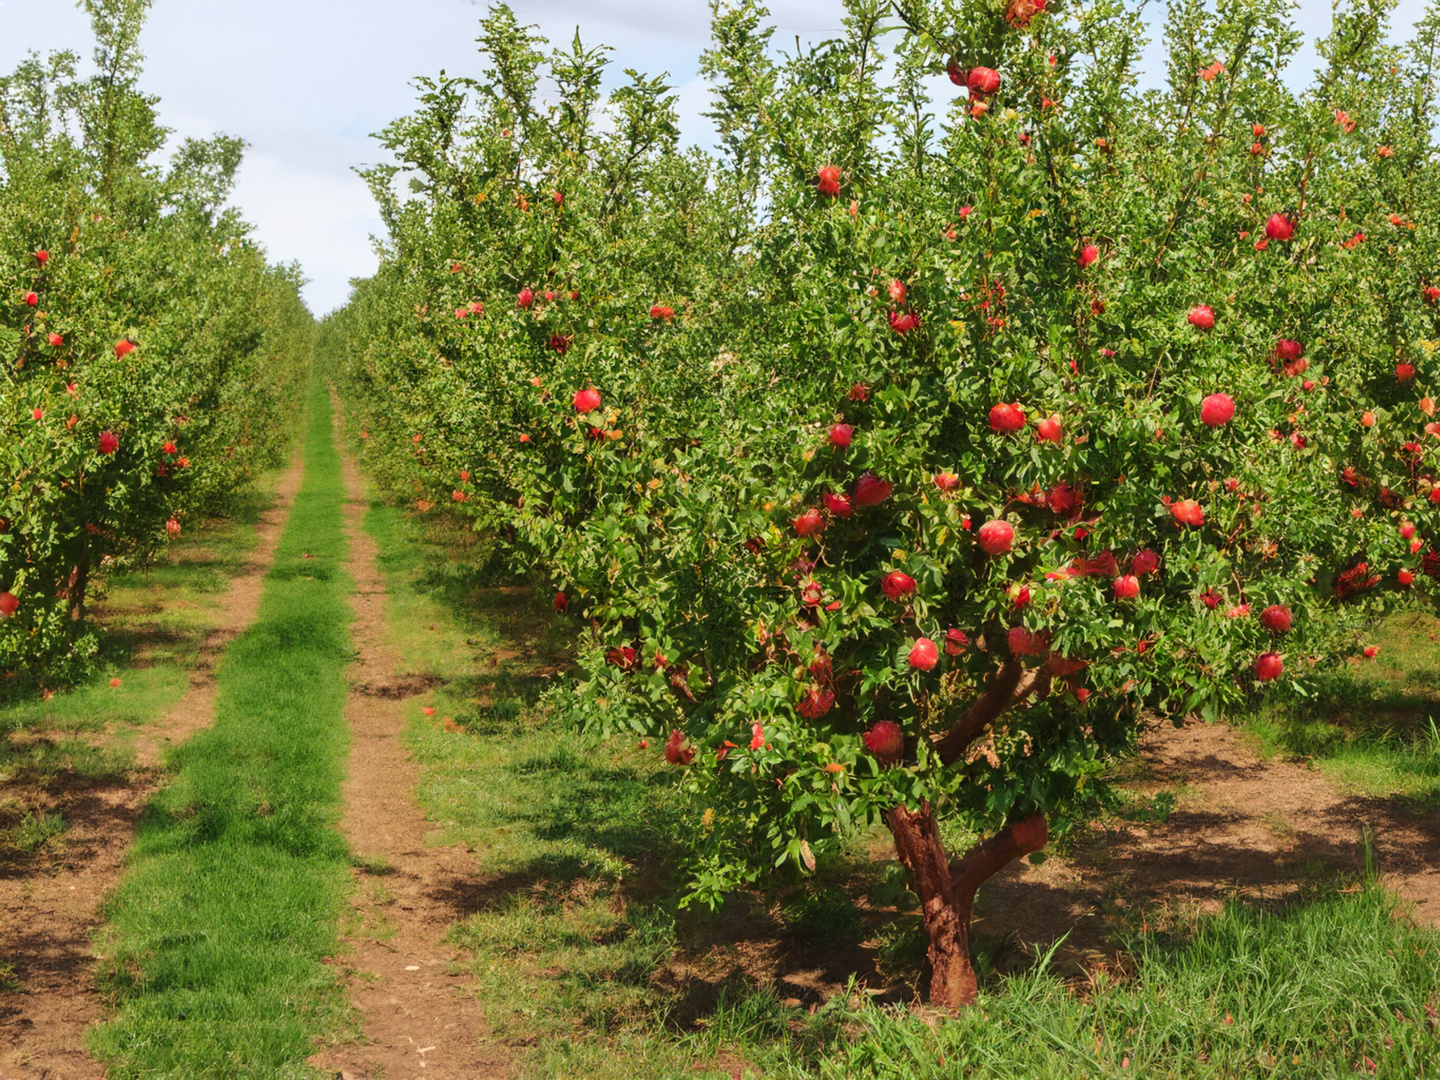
(75,591)
(947,893)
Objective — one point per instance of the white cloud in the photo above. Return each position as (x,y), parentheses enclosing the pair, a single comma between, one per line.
(305,83)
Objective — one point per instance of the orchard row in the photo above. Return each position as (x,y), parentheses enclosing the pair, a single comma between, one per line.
(886,465)
(152,357)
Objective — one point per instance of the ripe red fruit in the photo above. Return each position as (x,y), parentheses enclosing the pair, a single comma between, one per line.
(124,348)
(9,604)
(37,413)
(1269,666)
(1006,418)
(902,322)
(677,750)
(115,683)
(1256,149)
(955,642)
(840,435)
(1289,351)
(828,182)
(870,490)
(1404,372)
(457,496)
(525,298)
(1202,316)
(173,528)
(42,256)
(109,442)
(561,601)
(1405,577)
(1279,227)
(947,481)
(1259,131)
(1372,651)
(1145,562)
(839,505)
(1407,530)
(897,291)
(559,198)
(983,80)
(1276,619)
(995,537)
(859,392)
(885,740)
(924,655)
(898,585)
(1088,254)
(56,341)
(1127,587)
(810,522)
(586,401)
(1432,294)
(1048,429)
(1217,409)
(1188,512)
(31,299)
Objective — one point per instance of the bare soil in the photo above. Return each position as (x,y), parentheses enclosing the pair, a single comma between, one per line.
(1264,831)
(420,1010)
(50,907)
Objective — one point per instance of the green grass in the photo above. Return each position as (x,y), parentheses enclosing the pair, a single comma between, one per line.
(155,620)
(1372,727)
(587,968)
(213,950)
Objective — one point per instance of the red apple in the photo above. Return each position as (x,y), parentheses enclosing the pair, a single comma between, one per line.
(1048,429)
(1127,587)
(1269,666)
(1188,512)
(995,537)
(1202,316)
(828,181)
(840,435)
(9,604)
(586,401)
(983,81)
(1404,372)
(1276,619)
(839,505)
(810,522)
(898,585)
(924,655)
(1217,409)
(1279,227)
(870,490)
(1088,254)
(1006,418)
(885,740)
(56,341)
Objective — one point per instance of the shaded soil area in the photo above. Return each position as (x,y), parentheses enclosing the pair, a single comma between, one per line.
(420,1013)
(50,904)
(1215,822)
(1263,831)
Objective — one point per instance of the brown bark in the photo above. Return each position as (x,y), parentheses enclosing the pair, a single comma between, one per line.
(79,583)
(947,892)
(1010,685)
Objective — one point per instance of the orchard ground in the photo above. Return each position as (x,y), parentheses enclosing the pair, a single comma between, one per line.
(563,923)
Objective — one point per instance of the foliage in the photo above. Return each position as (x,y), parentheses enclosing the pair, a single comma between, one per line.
(152,358)
(1104,259)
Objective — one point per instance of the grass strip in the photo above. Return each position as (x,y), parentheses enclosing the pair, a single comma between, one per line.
(216,938)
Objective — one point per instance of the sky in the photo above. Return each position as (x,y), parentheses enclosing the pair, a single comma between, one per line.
(307,82)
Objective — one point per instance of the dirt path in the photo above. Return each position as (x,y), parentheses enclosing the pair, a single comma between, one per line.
(47,917)
(421,1016)
(1242,826)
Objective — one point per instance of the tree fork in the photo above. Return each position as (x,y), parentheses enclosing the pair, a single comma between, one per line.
(947,891)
